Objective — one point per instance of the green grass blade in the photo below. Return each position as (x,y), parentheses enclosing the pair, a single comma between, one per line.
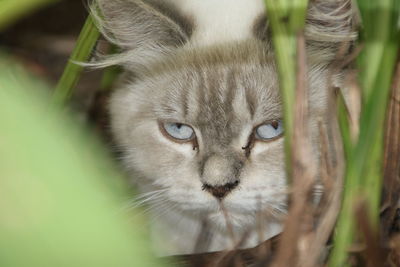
(381,39)
(287,18)
(72,72)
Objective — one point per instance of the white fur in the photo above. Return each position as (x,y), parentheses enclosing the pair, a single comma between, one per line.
(218,21)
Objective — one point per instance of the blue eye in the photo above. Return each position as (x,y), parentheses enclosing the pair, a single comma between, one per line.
(270,130)
(178,131)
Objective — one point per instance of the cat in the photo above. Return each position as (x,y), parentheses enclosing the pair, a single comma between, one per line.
(198,112)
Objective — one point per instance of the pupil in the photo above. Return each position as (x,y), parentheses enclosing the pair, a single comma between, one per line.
(179,126)
(275,124)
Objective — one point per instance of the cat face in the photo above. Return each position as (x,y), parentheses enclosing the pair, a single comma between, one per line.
(207,131)
(200,124)
(222,109)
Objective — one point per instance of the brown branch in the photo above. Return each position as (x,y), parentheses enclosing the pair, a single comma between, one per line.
(223,258)
(392,158)
(373,253)
(332,202)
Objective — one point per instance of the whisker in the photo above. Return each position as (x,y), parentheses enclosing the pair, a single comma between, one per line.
(143,199)
(163,208)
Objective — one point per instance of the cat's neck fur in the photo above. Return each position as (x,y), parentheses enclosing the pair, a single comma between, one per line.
(176,234)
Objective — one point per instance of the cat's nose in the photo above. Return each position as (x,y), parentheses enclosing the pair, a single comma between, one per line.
(220,191)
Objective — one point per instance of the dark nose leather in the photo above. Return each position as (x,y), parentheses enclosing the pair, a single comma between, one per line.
(220,191)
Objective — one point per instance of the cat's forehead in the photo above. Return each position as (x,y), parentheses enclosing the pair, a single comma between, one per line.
(221,97)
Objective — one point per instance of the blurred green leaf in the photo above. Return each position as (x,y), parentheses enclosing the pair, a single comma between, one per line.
(60,195)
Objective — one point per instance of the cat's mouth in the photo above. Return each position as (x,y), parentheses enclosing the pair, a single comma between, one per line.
(235,207)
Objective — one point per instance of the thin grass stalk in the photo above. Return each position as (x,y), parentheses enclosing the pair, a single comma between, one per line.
(363,176)
(303,172)
(11,10)
(287,19)
(86,42)
(344,123)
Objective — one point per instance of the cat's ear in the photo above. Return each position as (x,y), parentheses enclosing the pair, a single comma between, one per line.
(142,29)
(330,24)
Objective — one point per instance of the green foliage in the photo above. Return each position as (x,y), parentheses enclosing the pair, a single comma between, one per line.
(58,205)
(60,195)
(287,19)
(380,40)
(380,37)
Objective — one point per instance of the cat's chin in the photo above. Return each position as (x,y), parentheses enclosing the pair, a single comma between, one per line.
(240,222)
(177,233)
(238,212)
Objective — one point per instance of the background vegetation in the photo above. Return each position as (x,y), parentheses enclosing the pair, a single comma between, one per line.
(61,196)
(59,207)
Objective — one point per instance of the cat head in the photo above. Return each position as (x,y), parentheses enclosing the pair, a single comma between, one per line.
(203,123)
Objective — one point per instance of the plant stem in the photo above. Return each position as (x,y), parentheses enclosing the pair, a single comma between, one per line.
(287,18)
(363,176)
(72,72)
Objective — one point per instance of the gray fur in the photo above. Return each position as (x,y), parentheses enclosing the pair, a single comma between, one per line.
(222,91)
